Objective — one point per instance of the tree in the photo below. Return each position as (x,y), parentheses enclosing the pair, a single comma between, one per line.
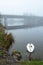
(6,40)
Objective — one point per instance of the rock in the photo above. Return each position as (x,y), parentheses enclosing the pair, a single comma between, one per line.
(17,55)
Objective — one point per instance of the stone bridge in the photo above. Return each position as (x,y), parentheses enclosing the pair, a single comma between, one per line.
(19,23)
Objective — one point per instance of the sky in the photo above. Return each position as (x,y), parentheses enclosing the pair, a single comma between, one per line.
(22,7)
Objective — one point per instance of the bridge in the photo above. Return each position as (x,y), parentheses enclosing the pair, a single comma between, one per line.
(14,16)
(19,26)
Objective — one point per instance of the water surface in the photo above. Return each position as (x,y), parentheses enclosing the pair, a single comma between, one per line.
(28,35)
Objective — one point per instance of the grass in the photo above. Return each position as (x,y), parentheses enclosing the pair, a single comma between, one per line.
(22,62)
(32,63)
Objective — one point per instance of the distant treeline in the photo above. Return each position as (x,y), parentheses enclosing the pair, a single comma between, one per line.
(32,21)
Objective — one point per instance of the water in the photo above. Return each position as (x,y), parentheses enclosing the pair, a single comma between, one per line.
(28,35)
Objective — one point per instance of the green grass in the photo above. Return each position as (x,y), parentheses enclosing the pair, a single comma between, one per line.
(5,62)
(31,63)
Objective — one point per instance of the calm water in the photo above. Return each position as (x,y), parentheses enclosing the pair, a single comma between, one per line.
(23,36)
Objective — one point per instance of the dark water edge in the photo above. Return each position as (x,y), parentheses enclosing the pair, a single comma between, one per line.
(28,35)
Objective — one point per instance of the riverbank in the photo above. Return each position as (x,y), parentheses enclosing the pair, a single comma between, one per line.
(8,60)
(12,62)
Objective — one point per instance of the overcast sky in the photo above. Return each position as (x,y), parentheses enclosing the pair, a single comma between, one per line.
(34,7)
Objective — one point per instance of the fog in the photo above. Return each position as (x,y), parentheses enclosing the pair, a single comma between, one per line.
(22,7)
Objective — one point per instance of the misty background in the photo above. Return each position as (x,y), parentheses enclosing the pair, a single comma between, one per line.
(21,7)
(32,16)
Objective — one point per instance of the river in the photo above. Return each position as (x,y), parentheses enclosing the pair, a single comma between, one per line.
(28,35)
